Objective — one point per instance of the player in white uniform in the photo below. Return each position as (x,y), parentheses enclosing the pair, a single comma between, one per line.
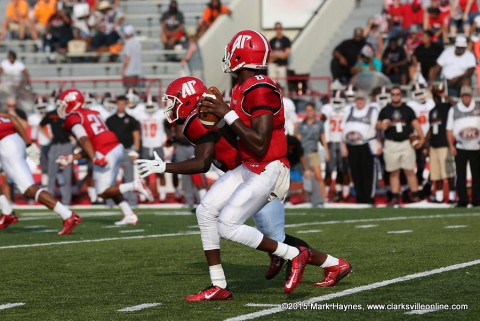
(135,105)
(152,121)
(334,116)
(92,103)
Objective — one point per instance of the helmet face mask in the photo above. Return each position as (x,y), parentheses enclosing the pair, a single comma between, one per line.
(171,104)
(383,100)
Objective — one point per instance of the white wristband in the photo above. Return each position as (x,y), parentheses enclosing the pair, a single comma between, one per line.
(230,117)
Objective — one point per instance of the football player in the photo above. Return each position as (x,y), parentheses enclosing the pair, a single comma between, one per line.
(13,152)
(210,148)
(101,146)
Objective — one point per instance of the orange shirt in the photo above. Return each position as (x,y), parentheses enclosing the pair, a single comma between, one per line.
(17,10)
(44,10)
(209,15)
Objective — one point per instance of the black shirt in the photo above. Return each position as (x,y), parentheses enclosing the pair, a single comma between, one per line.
(294,150)
(438,125)
(427,57)
(401,118)
(350,49)
(172,20)
(393,56)
(123,127)
(59,135)
(280,45)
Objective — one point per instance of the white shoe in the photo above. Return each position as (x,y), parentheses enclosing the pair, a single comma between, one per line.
(128,220)
(141,188)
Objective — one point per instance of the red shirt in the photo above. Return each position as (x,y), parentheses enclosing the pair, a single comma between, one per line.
(226,156)
(396,13)
(257,96)
(473,8)
(411,17)
(6,128)
(102,139)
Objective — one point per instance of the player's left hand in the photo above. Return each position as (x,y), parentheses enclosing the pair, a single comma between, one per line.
(215,106)
(146,167)
(64,160)
(33,152)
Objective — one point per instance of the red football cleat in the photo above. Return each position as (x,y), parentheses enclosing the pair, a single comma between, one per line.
(333,274)
(69,224)
(211,293)
(276,264)
(298,267)
(6,220)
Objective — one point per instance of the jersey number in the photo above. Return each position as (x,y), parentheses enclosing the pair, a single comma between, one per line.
(336,125)
(96,124)
(150,129)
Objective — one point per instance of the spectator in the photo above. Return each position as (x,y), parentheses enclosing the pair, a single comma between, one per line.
(193,57)
(463,13)
(425,57)
(132,58)
(60,145)
(367,61)
(457,66)
(172,23)
(395,62)
(290,111)
(413,14)
(437,23)
(127,130)
(345,56)
(210,14)
(14,73)
(106,22)
(278,61)
(413,39)
(398,122)
(310,133)
(359,136)
(442,164)
(42,12)
(395,14)
(58,33)
(14,110)
(373,36)
(464,141)
(17,20)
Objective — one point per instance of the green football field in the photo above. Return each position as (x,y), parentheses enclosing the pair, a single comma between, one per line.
(400,257)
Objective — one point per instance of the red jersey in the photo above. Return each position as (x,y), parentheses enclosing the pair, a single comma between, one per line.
(6,127)
(102,139)
(226,156)
(412,17)
(473,8)
(257,96)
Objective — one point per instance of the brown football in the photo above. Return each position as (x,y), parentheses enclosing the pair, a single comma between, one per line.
(207,119)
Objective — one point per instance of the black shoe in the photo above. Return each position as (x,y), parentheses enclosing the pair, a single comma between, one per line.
(461,205)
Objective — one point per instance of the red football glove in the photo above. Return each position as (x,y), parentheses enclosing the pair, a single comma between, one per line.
(102,162)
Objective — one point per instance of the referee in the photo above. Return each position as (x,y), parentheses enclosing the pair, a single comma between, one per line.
(127,130)
(60,145)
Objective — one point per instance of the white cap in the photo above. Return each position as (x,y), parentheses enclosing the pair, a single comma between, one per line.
(461,41)
(128,30)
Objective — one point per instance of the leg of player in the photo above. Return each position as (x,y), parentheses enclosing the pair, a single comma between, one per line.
(8,216)
(162,191)
(70,219)
(115,193)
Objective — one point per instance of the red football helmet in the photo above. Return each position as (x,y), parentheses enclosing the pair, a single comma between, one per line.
(247,49)
(181,97)
(69,101)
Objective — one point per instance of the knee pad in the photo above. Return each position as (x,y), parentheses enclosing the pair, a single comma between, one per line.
(206,214)
(226,230)
(207,222)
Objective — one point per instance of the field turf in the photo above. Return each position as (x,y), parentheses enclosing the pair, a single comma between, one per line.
(101,269)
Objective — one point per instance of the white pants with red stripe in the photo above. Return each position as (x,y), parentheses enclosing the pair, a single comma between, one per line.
(104,177)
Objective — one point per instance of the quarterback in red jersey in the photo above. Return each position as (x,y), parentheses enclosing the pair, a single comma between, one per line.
(13,160)
(101,146)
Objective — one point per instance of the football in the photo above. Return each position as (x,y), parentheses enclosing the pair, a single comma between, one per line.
(207,119)
(414,140)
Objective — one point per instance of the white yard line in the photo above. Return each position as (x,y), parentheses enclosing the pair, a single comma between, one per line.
(139,307)
(400,232)
(108,239)
(366,226)
(11,305)
(131,231)
(34,226)
(52,216)
(456,226)
(266,305)
(358,289)
(418,312)
(381,219)
(309,231)
(45,231)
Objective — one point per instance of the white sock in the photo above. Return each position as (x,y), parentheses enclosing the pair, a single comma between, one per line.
(202,192)
(285,251)
(452,196)
(330,261)
(125,208)
(345,191)
(439,196)
(62,210)
(217,276)
(162,192)
(338,188)
(127,187)
(92,194)
(5,205)
(178,194)
(327,189)
(44,179)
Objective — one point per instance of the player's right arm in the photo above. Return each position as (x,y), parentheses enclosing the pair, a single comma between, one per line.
(18,127)
(200,163)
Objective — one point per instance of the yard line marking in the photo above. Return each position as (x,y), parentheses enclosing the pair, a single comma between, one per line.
(400,232)
(113,226)
(358,289)
(309,231)
(139,307)
(261,305)
(52,216)
(456,226)
(193,226)
(366,226)
(131,231)
(34,226)
(99,240)
(45,231)
(380,219)
(421,311)
(11,305)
